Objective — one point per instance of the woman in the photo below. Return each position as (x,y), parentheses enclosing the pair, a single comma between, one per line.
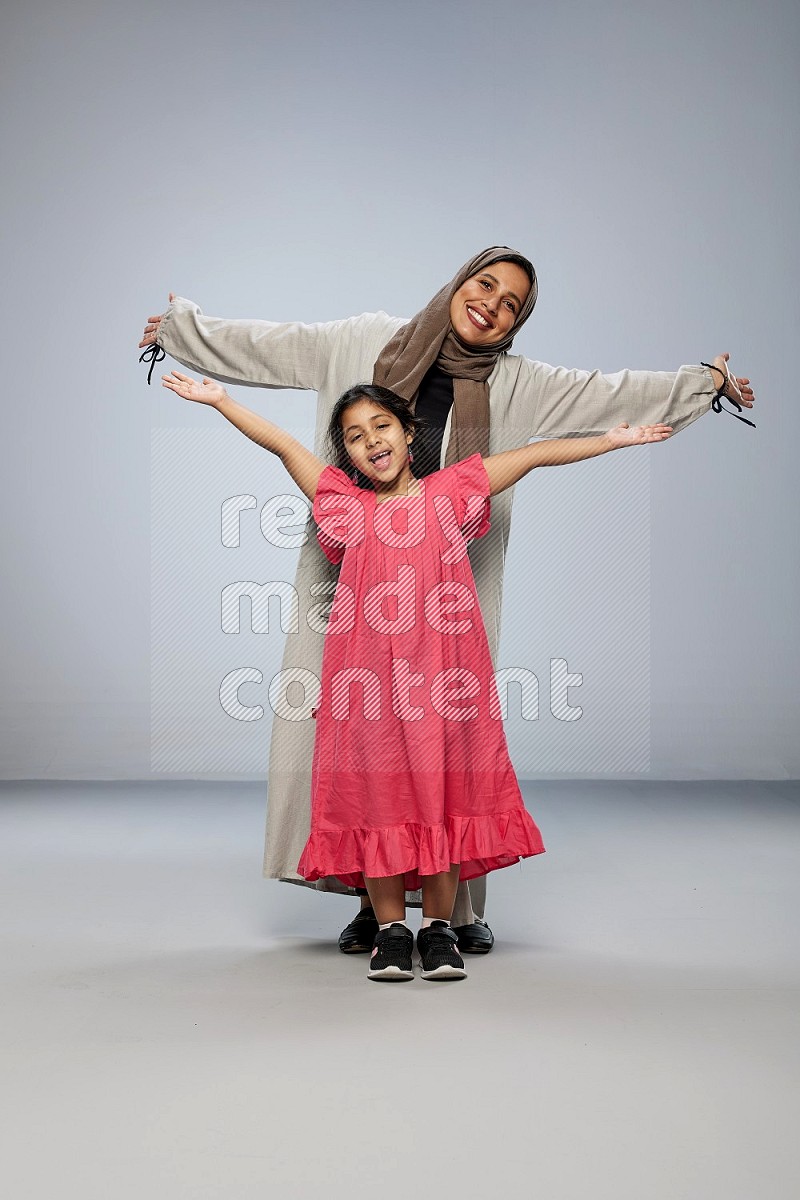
(452,362)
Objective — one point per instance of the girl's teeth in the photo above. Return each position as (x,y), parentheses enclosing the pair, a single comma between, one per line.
(478,317)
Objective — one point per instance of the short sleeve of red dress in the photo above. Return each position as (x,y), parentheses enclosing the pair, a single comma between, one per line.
(338,512)
(470,490)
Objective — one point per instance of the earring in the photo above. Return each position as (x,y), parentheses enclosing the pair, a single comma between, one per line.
(410,454)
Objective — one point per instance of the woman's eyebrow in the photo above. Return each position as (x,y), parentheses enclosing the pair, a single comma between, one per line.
(494,279)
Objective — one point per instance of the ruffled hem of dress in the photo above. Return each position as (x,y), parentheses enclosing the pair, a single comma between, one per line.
(479,843)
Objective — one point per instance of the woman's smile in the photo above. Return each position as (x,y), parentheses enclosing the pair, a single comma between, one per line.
(481,320)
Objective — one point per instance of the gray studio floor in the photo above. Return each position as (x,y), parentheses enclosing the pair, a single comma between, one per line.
(174,1026)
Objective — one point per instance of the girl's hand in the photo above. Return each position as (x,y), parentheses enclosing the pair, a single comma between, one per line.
(623,435)
(151,328)
(207,392)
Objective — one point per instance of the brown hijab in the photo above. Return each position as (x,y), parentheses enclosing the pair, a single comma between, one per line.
(429,338)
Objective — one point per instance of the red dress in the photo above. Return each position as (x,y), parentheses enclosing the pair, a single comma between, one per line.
(411,771)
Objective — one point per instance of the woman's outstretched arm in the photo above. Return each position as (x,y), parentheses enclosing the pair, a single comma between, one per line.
(556,402)
(303,466)
(269,354)
(505,469)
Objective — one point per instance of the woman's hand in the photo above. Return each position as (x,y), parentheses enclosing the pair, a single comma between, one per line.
(151,328)
(207,392)
(623,435)
(737,389)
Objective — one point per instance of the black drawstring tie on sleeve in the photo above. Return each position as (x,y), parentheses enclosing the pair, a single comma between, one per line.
(716,403)
(153,354)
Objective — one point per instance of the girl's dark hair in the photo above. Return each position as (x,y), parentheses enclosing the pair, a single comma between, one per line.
(381,396)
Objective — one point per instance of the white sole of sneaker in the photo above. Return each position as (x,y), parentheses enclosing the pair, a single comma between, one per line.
(445,973)
(391,975)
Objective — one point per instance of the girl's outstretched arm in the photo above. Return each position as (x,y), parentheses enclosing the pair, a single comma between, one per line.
(505,469)
(303,466)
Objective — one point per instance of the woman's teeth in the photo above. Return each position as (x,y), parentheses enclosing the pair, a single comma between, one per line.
(477,317)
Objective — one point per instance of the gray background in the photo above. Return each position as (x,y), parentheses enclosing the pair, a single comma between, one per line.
(313,161)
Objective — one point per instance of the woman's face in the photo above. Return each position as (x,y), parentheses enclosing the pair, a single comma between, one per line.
(485,307)
(376,442)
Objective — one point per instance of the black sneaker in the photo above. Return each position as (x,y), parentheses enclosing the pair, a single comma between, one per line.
(391,954)
(359,936)
(437,949)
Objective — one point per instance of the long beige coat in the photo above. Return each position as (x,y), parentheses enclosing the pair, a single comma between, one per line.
(526,399)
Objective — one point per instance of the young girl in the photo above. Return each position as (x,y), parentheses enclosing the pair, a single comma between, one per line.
(412,785)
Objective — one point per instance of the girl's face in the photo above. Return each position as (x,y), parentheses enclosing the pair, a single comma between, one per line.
(485,307)
(376,442)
